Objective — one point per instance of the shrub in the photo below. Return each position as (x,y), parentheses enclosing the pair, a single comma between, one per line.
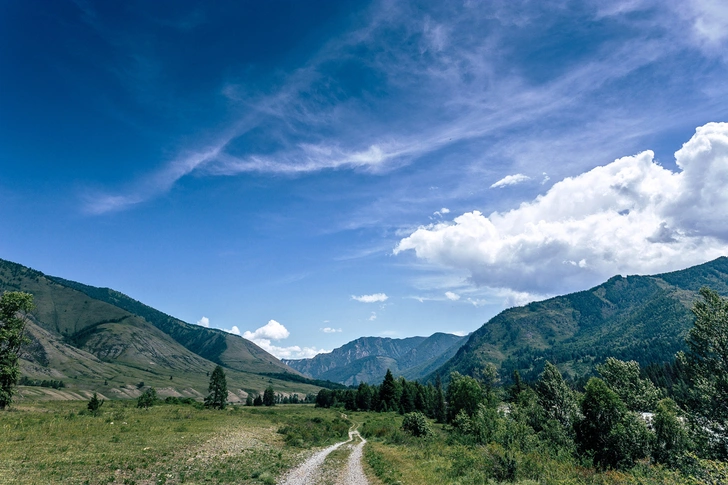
(147,398)
(94,404)
(416,424)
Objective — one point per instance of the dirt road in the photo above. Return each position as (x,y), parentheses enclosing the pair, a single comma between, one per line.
(310,471)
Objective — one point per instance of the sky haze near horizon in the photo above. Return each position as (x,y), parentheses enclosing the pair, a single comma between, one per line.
(307,173)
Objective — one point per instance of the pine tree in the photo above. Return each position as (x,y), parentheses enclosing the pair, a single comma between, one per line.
(269,397)
(249,400)
(217,399)
(440,411)
(388,393)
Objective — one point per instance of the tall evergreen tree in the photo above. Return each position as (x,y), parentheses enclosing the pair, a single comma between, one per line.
(389,393)
(269,396)
(407,398)
(13,307)
(439,409)
(217,399)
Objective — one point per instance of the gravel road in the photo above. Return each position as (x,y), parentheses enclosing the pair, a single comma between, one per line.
(310,471)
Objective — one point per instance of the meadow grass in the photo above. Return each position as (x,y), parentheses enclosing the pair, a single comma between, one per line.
(50,442)
(397,458)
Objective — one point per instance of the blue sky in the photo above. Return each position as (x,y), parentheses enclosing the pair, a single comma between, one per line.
(312,172)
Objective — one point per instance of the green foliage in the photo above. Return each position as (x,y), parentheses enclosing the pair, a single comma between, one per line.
(148,398)
(269,397)
(217,399)
(416,424)
(608,431)
(317,431)
(389,393)
(94,404)
(624,379)
(555,397)
(463,394)
(249,400)
(13,307)
(707,364)
(258,401)
(672,441)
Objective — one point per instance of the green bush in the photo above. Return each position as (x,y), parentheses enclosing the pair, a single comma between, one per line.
(147,399)
(416,424)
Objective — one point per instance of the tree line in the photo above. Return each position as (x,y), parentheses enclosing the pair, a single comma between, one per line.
(618,418)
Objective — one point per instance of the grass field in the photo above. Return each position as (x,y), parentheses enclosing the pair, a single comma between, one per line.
(50,442)
(60,442)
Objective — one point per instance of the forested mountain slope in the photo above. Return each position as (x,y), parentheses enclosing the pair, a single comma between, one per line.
(367,359)
(642,318)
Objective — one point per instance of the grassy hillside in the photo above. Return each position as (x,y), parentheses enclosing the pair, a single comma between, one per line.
(229,350)
(642,318)
(92,344)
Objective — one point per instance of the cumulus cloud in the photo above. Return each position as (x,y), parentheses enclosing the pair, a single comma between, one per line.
(510,180)
(629,216)
(274,330)
(235,330)
(452,296)
(271,331)
(203,322)
(330,330)
(375,298)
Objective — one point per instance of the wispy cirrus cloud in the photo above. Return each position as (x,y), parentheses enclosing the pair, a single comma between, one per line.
(321,121)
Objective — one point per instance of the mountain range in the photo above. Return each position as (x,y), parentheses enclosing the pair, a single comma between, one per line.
(641,318)
(100,339)
(367,359)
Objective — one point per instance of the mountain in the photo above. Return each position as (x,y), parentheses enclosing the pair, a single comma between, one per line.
(641,318)
(367,359)
(97,339)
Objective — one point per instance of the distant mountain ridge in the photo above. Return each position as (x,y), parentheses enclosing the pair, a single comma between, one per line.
(100,339)
(641,318)
(367,359)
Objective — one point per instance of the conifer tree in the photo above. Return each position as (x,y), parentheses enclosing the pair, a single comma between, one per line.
(269,397)
(217,399)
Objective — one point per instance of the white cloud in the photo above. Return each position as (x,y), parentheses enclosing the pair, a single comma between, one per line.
(629,216)
(375,298)
(330,330)
(273,330)
(452,296)
(444,210)
(235,330)
(373,316)
(510,180)
(203,322)
(459,333)
(710,20)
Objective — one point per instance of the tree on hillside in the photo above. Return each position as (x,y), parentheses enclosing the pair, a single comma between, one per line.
(269,397)
(94,404)
(217,399)
(14,305)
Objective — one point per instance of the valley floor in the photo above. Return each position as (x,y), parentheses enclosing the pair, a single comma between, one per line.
(60,442)
(50,442)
